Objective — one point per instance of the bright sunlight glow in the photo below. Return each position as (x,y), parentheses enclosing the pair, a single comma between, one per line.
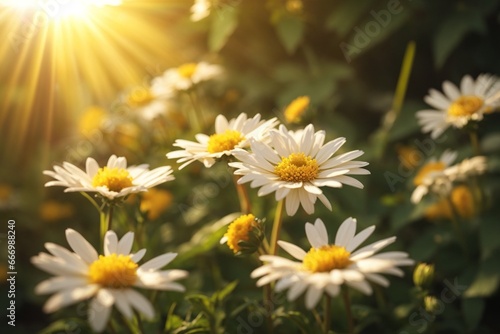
(58,9)
(61,54)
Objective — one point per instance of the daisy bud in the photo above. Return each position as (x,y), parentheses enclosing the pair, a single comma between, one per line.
(244,235)
(423,275)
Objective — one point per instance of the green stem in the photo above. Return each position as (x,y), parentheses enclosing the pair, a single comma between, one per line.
(326,316)
(476,149)
(245,203)
(278,220)
(106,220)
(139,322)
(110,217)
(347,303)
(268,297)
(103,227)
(455,219)
(94,203)
(398,100)
(198,118)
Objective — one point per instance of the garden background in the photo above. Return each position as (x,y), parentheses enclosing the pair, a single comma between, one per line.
(366,67)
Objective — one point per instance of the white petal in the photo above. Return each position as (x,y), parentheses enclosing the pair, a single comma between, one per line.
(362,286)
(122,303)
(292,249)
(359,238)
(315,236)
(138,256)
(313,296)
(98,315)
(292,203)
(158,262)
(296,290)
(140,303)
(346,232)
(69,296)
(110,243)
(125,244)
(81,246)
(58,283)
(371,249)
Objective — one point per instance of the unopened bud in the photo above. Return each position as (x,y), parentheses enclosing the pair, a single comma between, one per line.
(431,304)
(423,275)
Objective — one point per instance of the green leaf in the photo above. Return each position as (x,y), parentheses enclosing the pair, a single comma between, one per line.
(65,326)
(203,304)
(426,245)
(290,31)
(406,124)
(204,240)
(489,230)
(365,37)
(473,309)
(345,16)
(219,296)
(487,279)
(224,23)
(297,318)
(453,30)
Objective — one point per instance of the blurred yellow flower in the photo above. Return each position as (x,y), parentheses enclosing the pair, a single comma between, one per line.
(139,97)
(91,120)
(9,197)
(294,6)
(463,201)
(3,272)
(434,166)
(409,156)
(51,211)
(294,111)
(5,192)
(155,202)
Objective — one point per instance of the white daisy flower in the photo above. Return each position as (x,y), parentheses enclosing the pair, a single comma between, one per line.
(326,267)
(200,9)
(296,165)
(440,181)
(459,105)
(185,76)
(152,101)
(108,279)
(229,136)
(112,181)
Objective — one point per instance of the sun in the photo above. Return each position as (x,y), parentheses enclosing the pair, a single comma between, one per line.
(63,55)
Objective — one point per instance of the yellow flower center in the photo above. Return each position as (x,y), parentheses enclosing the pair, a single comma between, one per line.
(113,271)
(297,167)
(239,230)
(296,109)
(115,179)
(465,106)
(187,70)
(226,141)
(326,258)
(140,97)
(425,170)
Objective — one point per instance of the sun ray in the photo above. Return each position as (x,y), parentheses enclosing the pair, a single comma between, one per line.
(63,56)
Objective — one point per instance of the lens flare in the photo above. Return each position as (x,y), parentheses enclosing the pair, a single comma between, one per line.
(64,55)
